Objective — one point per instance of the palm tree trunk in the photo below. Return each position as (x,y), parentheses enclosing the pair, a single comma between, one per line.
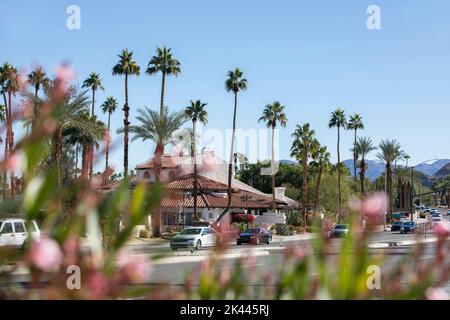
(156,217)
(230,164)
(195,174)
(107,143)
(6,143)
(339,176)
(35,108)
(389,176)
(305,183)
(93,102)
(11,144)
(57,152)
(126,109)
(274,203)
(91,161)
(355,160)
(316,199)
(362,174)
(163,83)
(76,160)
(84,161)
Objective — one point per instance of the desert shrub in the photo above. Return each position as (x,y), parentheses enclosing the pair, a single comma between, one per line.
(294,218)
(144,233)
(282,229)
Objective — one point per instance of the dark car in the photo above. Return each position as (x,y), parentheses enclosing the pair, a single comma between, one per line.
(396,226)
(254,236)
(339,231)
(408,227)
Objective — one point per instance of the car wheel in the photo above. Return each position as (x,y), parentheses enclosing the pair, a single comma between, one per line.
(198,246)
(269,240)
(174,249)
(257,241)
(238,243)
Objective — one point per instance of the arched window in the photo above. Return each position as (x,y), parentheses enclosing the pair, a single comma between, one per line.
(146,175)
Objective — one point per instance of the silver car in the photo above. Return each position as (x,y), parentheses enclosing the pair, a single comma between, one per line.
(194,238)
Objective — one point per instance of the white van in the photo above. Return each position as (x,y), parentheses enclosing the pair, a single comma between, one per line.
(13,232)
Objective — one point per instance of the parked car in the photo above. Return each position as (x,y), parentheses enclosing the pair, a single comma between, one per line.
(448,212)
(396,225)
(408,226)
(339,230)
(254,236)
(436,215)
(13,232)
(195,237)
(436,221)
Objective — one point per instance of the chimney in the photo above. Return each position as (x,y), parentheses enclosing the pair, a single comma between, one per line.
(279,192)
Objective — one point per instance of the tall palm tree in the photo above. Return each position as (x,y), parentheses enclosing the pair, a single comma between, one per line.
(303,147)
(5,71)
(322,163)
(37,78)
(389,152)
(158,128)
(235,82)
(126,67)
(406,157)
(196,112)
(364,146)
(94,83)
(109,107)
(165,63)
(355,123)
(3,119)
(12,87)
(273,114)
(338,120)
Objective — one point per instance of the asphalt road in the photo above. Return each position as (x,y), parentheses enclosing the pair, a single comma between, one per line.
(176,273)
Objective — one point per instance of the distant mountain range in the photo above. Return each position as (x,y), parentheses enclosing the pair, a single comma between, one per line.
(430,171)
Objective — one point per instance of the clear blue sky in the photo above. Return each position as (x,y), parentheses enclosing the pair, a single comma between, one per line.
(312,56)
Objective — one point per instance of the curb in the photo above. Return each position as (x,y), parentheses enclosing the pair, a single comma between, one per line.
(378,245)
(193,258)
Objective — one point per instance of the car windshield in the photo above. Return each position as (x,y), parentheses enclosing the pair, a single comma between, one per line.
(252,230)
(397,222)
(191,231)
(341,226)
(409,224)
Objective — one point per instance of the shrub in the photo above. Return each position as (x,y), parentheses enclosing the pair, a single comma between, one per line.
(282,229)
(144,234)
(294,218)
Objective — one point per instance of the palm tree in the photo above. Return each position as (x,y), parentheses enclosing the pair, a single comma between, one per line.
(273,114)
(322,163)
(165,63)
(5,71)
(126,66)
(389,152)
(94,83)
(406,157)
(3,119)
(355,122)
(338,120)
(78,135)
(37,78)
(302,148)
(12,87)
(235,82)
(196,112)
(364,146)
(109,107)
(158,128)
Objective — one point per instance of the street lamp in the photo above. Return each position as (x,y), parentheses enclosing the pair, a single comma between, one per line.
(412,185)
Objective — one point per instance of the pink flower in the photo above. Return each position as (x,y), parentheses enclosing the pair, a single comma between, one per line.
(437,294)
(374,207)
(442,230)
(355,204)
(224,276)
(98,285)
(70,248)
(15,161)
(64,74)
(45,254)
(209,162)
(138,268)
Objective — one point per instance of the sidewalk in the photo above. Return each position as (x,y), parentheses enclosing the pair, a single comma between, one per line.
(387,244)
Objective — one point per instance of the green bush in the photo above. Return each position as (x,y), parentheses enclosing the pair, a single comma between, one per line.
(294,218)
(144,234)
(282,229)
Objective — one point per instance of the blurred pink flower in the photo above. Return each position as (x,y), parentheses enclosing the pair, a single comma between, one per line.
(137,268)
(98,285)
(45,254)
(107,137)
(224,276)
(15,161)
(437,294)
(374,206)
(64,74)
(442,230)
(96,181)
(209,162)
(355,204)
(70,248)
